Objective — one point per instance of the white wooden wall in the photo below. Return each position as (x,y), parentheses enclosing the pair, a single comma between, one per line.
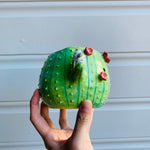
(29,31)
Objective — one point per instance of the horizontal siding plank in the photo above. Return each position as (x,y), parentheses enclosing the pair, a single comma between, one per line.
(122,144)
(18,84)
(44,35)
(115,27)
(17,107)
(99,144)
(129,79)
(108,124)
(23,146)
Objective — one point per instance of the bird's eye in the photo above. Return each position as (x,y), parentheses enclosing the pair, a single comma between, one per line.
(104,69)
(79,55)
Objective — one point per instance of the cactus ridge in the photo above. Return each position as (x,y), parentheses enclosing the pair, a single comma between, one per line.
(51,73)
(95,78)
(79,88)
(101,60)
(88,77)
(65,80)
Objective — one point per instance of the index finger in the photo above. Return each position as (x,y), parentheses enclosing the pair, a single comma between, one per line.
(37,120)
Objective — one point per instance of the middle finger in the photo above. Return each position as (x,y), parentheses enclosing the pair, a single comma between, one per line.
(45,114)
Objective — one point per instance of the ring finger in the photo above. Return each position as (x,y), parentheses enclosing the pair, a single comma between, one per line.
(63,122)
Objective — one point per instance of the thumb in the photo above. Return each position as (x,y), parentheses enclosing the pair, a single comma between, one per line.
(84,120)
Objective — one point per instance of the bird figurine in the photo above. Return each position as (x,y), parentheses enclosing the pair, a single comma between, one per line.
(72,75)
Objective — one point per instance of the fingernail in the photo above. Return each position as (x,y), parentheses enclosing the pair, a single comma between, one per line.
(86,106)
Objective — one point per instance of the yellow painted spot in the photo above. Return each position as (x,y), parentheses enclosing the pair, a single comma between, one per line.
(99,67)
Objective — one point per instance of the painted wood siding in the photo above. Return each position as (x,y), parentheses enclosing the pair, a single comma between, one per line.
(30,31)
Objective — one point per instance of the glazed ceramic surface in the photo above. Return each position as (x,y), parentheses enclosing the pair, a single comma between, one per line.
(74,74)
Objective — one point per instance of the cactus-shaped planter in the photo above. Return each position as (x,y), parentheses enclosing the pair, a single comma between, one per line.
(72,75)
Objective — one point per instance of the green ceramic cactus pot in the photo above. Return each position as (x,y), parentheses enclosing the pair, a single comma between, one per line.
(72,75)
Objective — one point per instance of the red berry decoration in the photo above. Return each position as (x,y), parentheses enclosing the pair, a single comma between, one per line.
(106,58)
(103,76)
(88,51)
(105,54)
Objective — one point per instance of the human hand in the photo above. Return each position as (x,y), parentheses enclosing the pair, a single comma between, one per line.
(64,138)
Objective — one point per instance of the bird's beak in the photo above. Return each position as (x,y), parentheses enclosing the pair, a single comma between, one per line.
(103,76)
